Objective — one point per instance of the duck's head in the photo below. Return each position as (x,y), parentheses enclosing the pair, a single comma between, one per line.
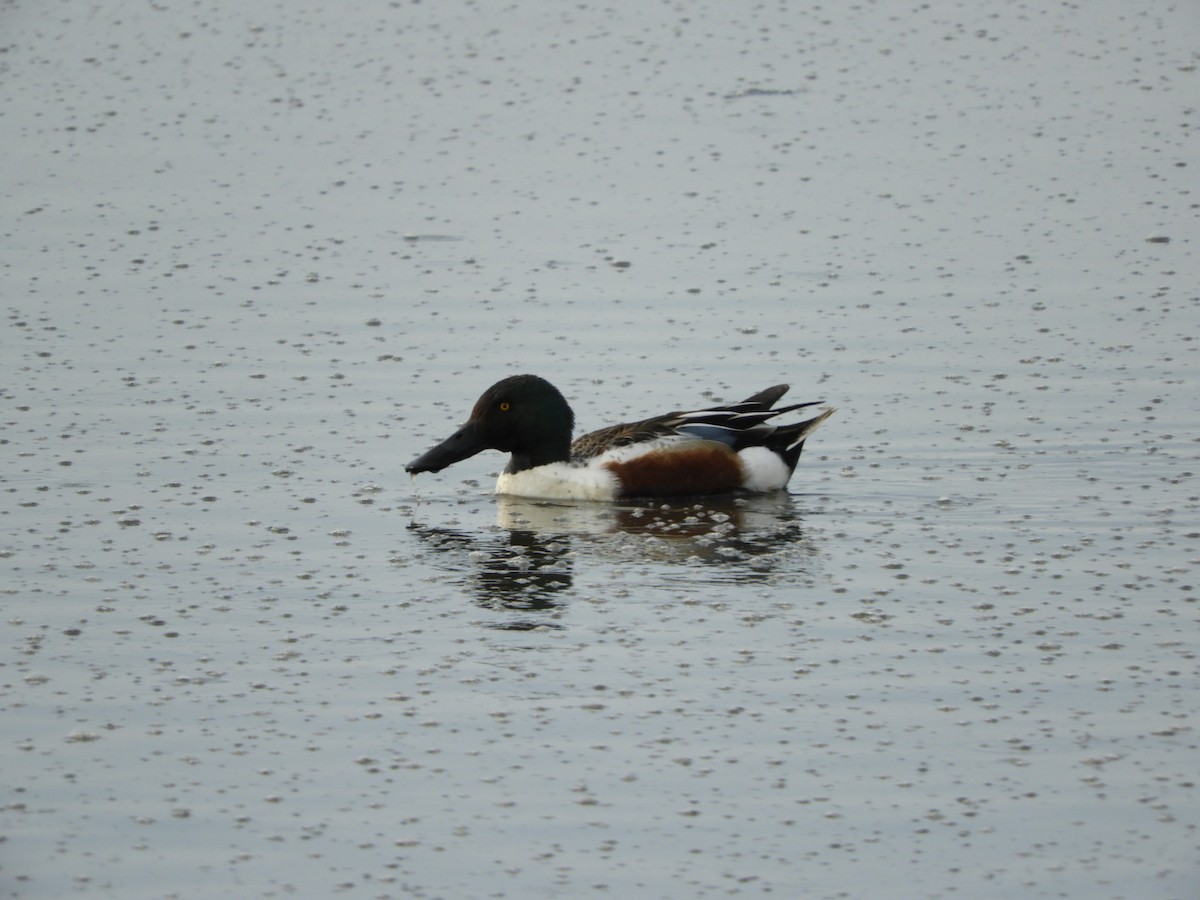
(523,415)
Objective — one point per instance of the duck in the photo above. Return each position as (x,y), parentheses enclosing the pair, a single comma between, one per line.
(729,449)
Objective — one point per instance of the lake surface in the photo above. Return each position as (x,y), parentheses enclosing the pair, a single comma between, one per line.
(256,259)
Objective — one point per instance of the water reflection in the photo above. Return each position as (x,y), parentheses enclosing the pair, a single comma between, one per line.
(515,569)
(527,564)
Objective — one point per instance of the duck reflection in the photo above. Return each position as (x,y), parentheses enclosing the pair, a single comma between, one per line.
(743,537)
(526,566)
(508,569)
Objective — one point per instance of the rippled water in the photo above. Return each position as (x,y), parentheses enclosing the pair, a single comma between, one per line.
(257,260)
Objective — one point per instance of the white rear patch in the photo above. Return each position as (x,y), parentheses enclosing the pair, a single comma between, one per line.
(765,470)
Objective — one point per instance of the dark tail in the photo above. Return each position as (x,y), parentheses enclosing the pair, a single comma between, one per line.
(788,440)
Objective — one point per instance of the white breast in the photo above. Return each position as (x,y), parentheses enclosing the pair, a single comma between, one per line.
(559,481)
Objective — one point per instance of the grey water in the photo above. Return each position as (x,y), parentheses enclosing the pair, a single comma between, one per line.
(255,259)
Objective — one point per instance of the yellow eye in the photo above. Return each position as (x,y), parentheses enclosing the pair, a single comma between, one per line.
(503,406)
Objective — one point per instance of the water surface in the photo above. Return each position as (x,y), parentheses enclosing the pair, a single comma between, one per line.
(256,261)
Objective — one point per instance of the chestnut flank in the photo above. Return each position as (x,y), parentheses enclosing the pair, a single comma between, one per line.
(704,467)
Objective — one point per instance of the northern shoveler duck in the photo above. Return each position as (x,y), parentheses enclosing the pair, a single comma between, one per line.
(719,450)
